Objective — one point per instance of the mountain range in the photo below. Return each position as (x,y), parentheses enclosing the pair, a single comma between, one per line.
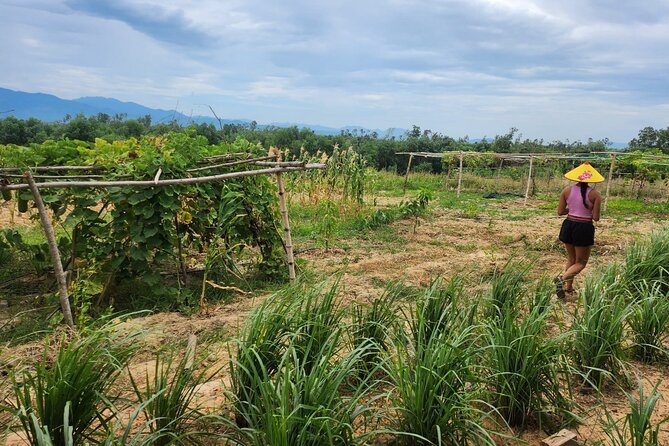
(47,107)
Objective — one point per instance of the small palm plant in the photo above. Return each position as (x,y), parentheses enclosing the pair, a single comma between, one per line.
(417,207)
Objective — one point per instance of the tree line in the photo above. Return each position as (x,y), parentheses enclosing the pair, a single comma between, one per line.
(379,151)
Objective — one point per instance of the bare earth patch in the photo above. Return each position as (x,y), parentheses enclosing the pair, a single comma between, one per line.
(444,244)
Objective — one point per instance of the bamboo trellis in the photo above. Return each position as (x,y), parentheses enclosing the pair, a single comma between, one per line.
(268,167)
(523,157)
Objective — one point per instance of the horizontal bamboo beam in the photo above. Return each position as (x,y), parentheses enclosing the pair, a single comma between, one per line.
(226,156)
(232,163)
(162,183)
(49,168)
(55,177)
(280,163)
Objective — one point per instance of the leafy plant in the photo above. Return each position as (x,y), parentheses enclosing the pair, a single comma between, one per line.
(329,212)
(417,207)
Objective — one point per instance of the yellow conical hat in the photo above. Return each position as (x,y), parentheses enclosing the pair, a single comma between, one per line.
(584,173)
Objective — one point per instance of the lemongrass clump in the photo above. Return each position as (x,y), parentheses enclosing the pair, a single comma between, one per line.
(597,346)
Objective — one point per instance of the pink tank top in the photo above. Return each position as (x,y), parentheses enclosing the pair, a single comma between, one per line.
(575,203)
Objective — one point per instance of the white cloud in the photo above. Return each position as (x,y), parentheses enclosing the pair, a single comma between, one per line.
(570,69)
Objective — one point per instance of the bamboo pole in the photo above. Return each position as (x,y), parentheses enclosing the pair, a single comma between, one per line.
(460,174)
(53,249)
(529,181)
(232,163)
(406,175)
(48,168)
(286,228)
(608,182)
(182,266)
(55,177)
(169,182)
(190,351)
(225,156)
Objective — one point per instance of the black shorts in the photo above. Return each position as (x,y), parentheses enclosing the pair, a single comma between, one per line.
(577,233)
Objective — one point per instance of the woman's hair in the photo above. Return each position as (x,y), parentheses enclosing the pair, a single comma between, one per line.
(584,193)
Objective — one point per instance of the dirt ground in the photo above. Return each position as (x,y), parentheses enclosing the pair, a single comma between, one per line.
(444,244)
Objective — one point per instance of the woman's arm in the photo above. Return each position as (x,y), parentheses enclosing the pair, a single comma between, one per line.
(562,206)
(596,199)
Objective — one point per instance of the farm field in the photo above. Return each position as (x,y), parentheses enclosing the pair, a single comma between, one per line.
(433,278)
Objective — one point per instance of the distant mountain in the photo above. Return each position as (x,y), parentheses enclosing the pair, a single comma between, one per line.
(47,107)
(51,108)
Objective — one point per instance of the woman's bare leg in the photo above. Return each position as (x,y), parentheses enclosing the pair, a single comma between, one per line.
(571,259)
(580,261)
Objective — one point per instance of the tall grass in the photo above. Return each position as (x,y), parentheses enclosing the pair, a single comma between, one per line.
(301,393)
(526,368)
(507,287)
(67,395)
(372,326)
(168,399)
(647,261)
(597,346)
(438,394)
(649,322)
(299,408)
(258,352)
(637,427)
(435,310)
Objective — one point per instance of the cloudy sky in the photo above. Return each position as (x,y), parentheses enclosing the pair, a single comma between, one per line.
(569,69)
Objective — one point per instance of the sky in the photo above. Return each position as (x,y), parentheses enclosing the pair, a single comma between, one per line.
(556,70)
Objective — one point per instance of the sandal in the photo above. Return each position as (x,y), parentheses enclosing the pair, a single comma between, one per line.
(559,287)
(570,292)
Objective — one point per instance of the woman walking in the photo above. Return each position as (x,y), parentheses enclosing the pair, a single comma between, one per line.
(581,204)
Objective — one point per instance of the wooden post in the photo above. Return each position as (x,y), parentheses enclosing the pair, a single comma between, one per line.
(286,228)
(53,249)
(608,182)
(182,265)
(460,175)
(529,181)
(190,351)
(406,175)
(499,169)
